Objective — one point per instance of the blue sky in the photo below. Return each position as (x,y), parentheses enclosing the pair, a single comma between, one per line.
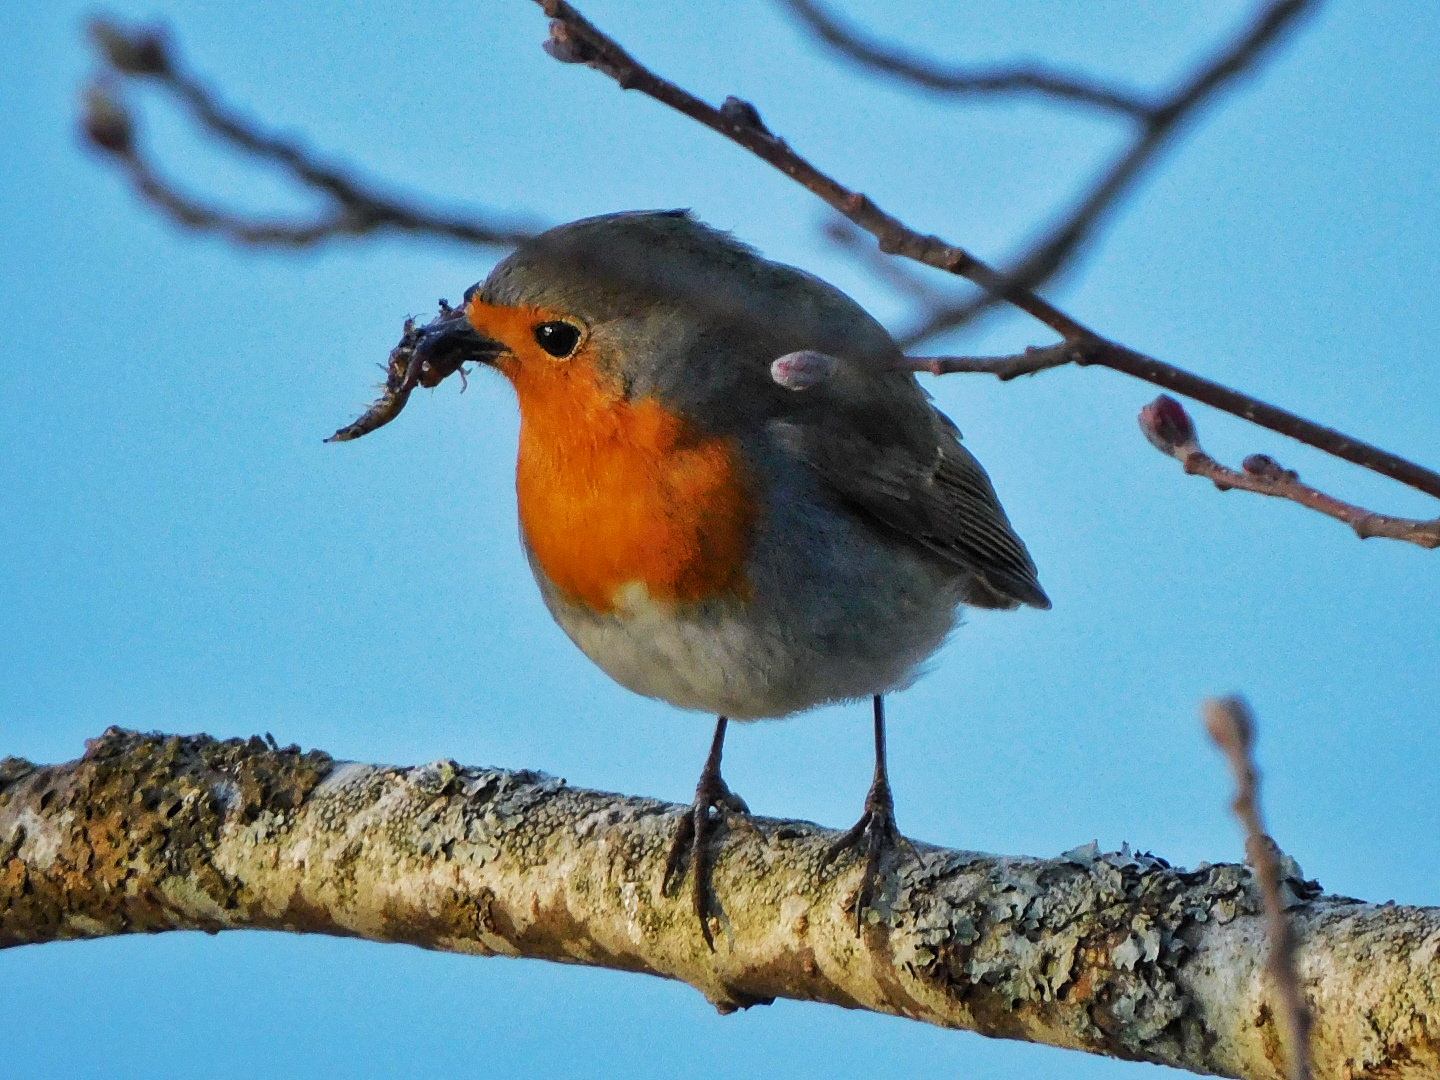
(183,552)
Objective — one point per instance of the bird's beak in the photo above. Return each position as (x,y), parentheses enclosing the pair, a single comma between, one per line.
(441,347)
(425,356)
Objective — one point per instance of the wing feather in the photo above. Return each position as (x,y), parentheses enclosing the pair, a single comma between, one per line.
(898,461)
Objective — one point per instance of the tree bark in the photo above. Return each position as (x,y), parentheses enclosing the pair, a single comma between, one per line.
(1116,954)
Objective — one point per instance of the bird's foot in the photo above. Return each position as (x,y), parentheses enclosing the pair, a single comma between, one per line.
(692,838)
(877,832)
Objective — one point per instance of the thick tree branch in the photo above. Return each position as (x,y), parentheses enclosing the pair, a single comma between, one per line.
(1115,954)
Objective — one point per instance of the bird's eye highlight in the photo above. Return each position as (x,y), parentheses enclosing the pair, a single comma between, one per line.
(557,338)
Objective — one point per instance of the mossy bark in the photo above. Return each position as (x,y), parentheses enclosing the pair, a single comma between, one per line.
(1116,954)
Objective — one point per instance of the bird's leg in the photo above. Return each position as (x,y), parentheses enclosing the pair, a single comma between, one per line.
(876,826)
(693,834)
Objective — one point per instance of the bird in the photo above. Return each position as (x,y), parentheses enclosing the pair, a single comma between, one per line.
(733,492)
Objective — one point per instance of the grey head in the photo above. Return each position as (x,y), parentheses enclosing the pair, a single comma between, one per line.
(687,313)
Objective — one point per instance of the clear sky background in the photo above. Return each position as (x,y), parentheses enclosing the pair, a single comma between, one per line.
(181,551)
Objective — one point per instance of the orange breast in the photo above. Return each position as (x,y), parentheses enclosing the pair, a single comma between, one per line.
(617,494)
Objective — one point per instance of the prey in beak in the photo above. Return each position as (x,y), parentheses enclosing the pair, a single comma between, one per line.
(425,356)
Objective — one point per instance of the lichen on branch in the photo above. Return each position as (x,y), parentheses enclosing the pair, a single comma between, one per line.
(1116,954)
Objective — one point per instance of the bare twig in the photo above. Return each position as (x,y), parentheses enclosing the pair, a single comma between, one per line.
(1171,431)
(1049,255)
(904,277)
(1102,353)
(940,78)
(1033,360)
(354,206)
(1157,122)
(573,39)
(1232,726)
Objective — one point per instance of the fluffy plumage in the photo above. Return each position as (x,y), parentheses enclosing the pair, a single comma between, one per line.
(866,521)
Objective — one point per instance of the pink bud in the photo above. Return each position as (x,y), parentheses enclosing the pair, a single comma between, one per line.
(1168,426)
(802,370)
(105,122)
(1267,468)
(564,46)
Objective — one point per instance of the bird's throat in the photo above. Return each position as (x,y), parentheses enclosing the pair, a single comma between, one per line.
(621,502)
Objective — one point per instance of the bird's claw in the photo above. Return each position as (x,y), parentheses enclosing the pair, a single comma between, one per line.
(877,830)
(692,838)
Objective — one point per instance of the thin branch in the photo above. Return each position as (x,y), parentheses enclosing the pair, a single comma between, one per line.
(1171,431)
(1032,361)
(1157,124)
(1169,428)
(935,76)
(904,277)
(1158,130)
(354,207)
(1111,953)
(1232,726)
(573,39)
(1116,357)
(1160,127)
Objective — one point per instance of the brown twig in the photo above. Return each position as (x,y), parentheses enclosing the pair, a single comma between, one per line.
(1004,368)
(573,39)
(904,277)
(1157,123)
(1101,353)
(1159,127)
(1171,431)
(1032,79)
(354,207)
(1232,726)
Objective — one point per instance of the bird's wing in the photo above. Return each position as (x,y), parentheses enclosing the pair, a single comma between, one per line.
(869,431)
(897,461)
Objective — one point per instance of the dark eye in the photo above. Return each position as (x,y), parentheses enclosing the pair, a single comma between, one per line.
(557,338)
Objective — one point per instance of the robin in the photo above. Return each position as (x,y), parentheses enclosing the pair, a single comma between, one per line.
(733,494)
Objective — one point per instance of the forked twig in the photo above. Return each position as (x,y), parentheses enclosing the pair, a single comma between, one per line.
(1157,121)
(354,207)
(955,80)
(1171,431)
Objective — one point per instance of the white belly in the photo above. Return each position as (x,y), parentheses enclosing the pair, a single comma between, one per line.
(835,614)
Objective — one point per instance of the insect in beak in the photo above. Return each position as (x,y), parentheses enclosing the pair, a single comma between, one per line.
(425,356)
